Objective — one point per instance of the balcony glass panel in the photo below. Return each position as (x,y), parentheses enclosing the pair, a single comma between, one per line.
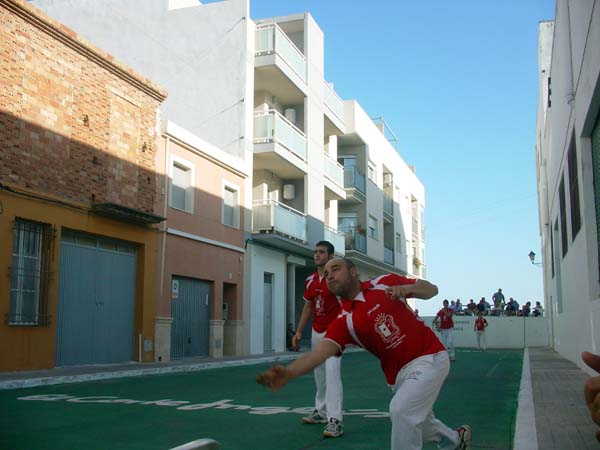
(333,101)
(388,204)
(388,254)
(275,216)
(415,227)
(271,126)
(271,39)
(337,238)
(354,178)
(334,170)
(356,241)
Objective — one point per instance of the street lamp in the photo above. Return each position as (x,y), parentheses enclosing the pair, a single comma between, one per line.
(532,258)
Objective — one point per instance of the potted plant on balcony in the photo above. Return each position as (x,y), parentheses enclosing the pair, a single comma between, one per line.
(360,230)
(416,261)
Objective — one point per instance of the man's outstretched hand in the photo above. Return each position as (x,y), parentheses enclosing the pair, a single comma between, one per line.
(275,378)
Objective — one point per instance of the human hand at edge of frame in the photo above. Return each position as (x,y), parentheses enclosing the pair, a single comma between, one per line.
(296,341)
(400,292)
(591,389)
(275,378)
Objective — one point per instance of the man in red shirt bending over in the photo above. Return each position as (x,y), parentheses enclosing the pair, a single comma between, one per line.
(376,317)
(324,307)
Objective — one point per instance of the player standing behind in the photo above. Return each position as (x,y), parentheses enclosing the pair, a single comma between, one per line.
(324,307)
(479,327)
(414,361)
(443,321)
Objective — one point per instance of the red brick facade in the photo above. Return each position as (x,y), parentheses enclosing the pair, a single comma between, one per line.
(73,123)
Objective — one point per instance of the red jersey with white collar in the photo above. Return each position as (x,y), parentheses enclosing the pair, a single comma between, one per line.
(386,327)
(446,321)
(480,324)
(326,306)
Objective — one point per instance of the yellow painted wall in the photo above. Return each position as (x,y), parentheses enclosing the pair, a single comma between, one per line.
(33,347)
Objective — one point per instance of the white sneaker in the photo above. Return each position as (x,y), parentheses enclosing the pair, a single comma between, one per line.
(314,417)
(464,434)
(333,429)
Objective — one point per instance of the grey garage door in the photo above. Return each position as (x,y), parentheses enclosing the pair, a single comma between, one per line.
(96,299)
(190,314)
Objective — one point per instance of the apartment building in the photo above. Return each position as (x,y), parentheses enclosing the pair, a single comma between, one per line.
(319,167)
(568,174)
(77,189)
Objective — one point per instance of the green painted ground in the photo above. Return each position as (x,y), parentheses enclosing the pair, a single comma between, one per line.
(481,390)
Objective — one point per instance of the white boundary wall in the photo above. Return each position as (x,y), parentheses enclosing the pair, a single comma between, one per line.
(502,332)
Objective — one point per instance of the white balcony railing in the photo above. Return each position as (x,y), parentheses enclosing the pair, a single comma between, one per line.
(333,170)
(271,39)
(271,126)
(333,101)
(270,215)
(337,238)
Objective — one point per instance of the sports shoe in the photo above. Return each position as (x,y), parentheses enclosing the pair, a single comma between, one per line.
(464,434)
(314,417)
(333,429)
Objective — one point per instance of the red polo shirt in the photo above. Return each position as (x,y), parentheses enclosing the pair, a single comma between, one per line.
(386,327)
(446,321)
(326,306)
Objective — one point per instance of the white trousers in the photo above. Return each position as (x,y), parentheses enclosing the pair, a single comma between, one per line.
(330,393)
(417,387)
(448,340)
(481,339)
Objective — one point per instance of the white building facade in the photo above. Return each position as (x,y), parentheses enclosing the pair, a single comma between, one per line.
(321,168)
(568,174)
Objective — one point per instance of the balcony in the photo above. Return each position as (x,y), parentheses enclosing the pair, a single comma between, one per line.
(337,238)
(415,227)
(388,254)
(388,208)
(333,170)
(280,146)
(270,216)
(271,40)
(355,185)
(333,101)
(356,241)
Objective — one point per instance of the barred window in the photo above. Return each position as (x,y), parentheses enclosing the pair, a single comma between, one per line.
(31,258)
(563,217)
(574,190)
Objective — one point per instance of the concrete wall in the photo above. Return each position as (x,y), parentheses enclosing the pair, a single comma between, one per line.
(502,332)
(567,53)
(202,54)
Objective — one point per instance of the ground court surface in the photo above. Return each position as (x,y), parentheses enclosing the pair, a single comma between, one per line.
(163,411)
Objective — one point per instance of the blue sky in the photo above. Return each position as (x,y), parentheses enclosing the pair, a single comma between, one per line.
(457,82)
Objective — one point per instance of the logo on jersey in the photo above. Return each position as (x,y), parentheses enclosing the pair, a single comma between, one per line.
(388,330)
(319,304)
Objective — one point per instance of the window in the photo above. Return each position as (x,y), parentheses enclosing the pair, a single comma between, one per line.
(398,243)
(563,217)
(552,249)
(31,258)
(574,190)
(372,227)
(181,194)
(372,172)
(231,210)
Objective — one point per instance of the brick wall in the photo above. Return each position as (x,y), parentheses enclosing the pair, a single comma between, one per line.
(73,123)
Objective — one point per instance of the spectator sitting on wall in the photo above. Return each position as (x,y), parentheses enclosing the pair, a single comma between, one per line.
(458,307)
(481,306)
(472,308)
(538,311)
(526,310)
(511,310)
(452,306)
